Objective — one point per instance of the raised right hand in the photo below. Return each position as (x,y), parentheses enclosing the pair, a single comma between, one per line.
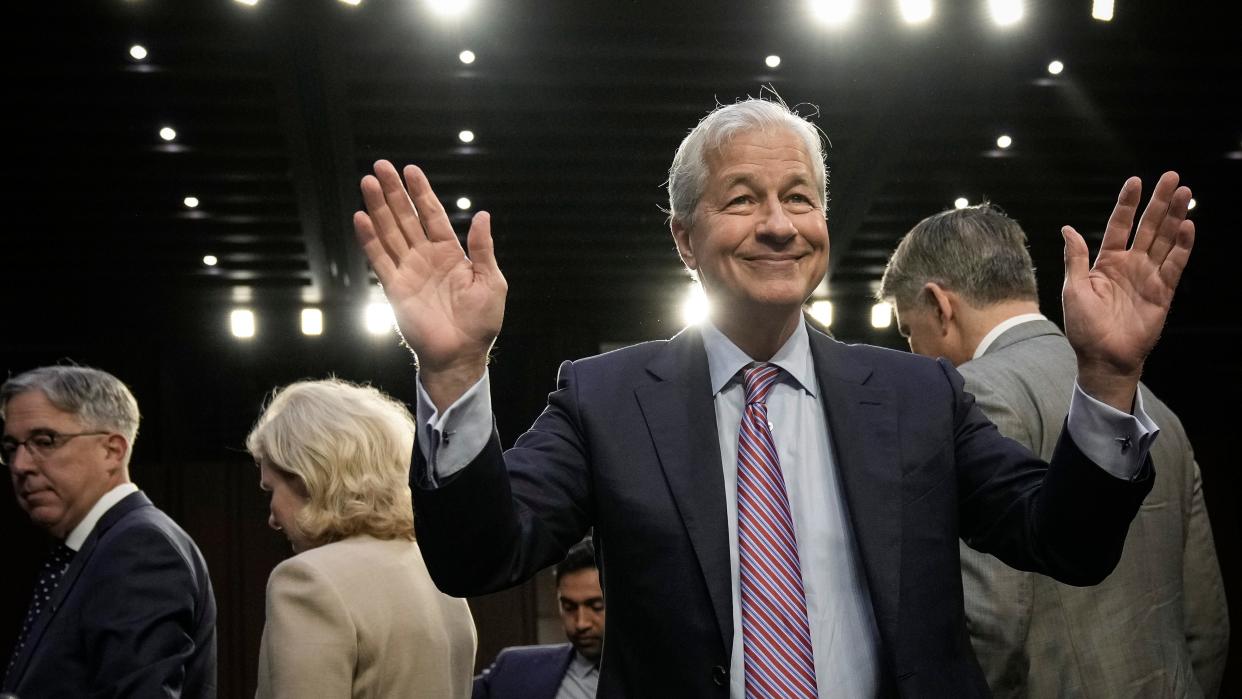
(449,307)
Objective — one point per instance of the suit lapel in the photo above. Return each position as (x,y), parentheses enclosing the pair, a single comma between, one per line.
(681,418)
(80,559)
(863,428)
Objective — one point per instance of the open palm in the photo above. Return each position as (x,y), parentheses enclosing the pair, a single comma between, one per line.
(449,307)
(1115,310)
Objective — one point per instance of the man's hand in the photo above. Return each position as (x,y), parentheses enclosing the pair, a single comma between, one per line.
(1115,310)
(448,306)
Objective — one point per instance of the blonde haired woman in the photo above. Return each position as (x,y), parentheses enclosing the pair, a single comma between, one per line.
(354,613)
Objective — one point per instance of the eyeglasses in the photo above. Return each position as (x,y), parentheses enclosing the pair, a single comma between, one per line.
(40,444)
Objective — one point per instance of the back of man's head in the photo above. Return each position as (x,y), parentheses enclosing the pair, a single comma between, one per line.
(977,252)
(98,400)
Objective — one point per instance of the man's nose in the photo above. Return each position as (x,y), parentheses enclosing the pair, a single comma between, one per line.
(23,462)
(775,221)
(583,619)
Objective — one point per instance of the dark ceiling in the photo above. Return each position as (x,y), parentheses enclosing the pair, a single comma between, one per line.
(577,108)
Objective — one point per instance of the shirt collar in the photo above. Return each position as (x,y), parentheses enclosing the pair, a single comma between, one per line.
(581,667)
(1000,329)
(725,359)
(77,537)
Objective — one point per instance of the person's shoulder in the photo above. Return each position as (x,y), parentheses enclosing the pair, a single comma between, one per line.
(637,355)
(147,523)
(520,654)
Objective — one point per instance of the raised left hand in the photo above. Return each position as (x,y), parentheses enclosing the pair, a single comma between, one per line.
(1115,310)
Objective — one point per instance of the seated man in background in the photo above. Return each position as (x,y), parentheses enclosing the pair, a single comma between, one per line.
(964,289)
(563,671)
(124,606)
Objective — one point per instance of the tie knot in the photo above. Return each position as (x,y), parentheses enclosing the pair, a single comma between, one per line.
(759,380)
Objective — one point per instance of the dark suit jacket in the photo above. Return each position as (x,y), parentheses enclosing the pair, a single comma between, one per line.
(525,672)
(134,616)
(628,444)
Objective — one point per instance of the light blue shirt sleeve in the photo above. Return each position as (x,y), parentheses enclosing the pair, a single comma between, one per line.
(451,440)
(1117,442)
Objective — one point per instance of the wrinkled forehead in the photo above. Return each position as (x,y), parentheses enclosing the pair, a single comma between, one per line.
(31,410)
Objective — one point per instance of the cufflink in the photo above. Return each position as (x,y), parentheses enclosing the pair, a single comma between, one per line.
(1124,442)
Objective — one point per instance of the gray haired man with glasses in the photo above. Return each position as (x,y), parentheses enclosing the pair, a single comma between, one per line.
(124,605)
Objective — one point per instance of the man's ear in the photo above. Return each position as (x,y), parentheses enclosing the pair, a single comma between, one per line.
(117,449)
(681,236)
(943,303)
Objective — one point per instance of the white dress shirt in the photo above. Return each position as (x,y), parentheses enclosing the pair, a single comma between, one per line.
(77,537)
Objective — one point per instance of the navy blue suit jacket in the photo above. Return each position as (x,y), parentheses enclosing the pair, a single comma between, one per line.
(525,672)
(134,616)
(628,444)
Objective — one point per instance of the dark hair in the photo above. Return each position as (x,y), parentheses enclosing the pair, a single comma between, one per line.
(580,557)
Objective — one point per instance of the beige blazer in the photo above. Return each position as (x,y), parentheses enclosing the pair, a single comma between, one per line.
(1156,627)
(361,618)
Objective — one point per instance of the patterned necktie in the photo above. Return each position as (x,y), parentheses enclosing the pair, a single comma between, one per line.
(776,635)
(49,578)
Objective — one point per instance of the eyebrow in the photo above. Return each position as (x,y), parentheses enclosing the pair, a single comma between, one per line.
(745,178)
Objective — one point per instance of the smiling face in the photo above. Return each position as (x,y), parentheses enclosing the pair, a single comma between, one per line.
(60,488)
(759,241)
(288,499)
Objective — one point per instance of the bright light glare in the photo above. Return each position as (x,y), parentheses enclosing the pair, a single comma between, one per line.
(241,322)
(833,12)
(1102,10)
(1056,67)
(463,203)
(1192,204)
(1006,12)
(355,3)
(960,203)
(168,133)
(210,260)
(822,312)
(916,11)
(1004,141)
(137,52)
(312,321)
(190,202)
(465,136)
(466,56)
(449,8)
(380,318)
(772,61)
(251,3)
(881,315)
(695,307)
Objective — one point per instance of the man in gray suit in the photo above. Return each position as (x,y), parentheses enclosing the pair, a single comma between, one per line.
(964,288)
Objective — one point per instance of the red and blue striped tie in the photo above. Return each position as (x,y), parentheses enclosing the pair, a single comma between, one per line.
(775,631)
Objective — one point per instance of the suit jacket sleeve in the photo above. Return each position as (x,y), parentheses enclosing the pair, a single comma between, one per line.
(521,510)
(1207,616)
(142,630)
(309,647)
(483,682)
(998,598)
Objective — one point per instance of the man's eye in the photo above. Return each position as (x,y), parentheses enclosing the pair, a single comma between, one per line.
(43,440)
(738,200)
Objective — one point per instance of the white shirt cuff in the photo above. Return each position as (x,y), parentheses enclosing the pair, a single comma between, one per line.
(451,440)
(1117,442)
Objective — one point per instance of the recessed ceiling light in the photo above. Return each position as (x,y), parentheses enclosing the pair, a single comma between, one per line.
(1004,141)
(1192,204)
(1056,67)
(695,308)
(882,315)
(833,12)
(822,312)
(1102,10)
(210,260)
(355,3)
(772,61)
(138,52)
(190,202)
(1006,12)
(380,318)
(466,56)
(463,203)
(449,8)
(168,133)
(250,3)
(960,203)
(241,322)
(465,136)
(916,11)
(312,321)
